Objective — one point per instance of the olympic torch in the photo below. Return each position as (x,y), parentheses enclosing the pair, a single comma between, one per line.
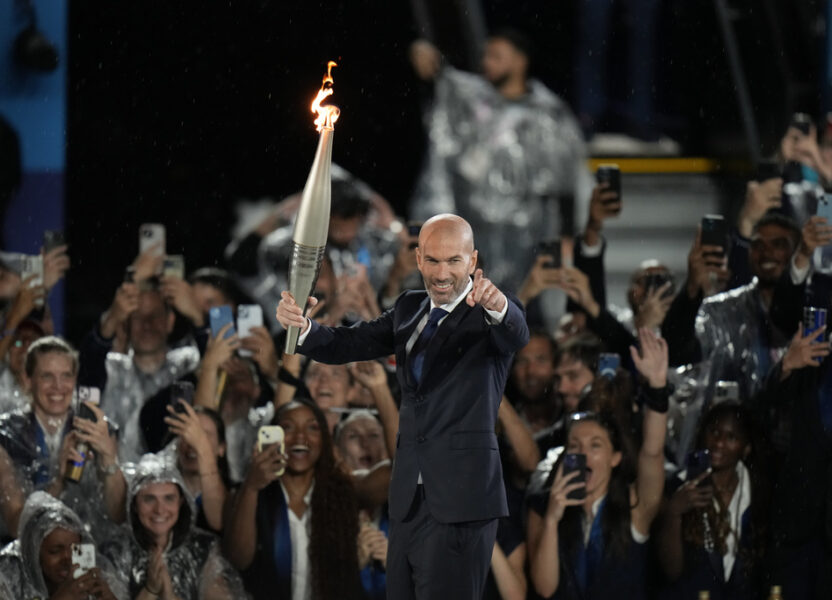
(312,223)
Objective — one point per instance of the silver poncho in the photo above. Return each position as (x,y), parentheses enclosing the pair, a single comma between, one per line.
(503,165)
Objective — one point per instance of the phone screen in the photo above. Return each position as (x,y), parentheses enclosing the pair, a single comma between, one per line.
(698,462)
(714,231)
(550,248)
(611,175)
(220,316)
(181,391)
(575,462)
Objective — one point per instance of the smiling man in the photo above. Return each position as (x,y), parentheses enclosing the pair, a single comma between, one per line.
(454,345)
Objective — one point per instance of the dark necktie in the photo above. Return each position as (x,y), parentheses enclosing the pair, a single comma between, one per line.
(417,353)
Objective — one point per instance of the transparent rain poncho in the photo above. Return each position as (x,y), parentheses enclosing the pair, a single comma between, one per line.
(734,336)
(503,165)
(36,466)
(12,396)
(197,570)
(20,568)
(128,389)
(686,406)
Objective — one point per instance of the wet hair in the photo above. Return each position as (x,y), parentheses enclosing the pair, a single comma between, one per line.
(45,345)
(221,280)
(519,40)
(615,520)
(333,561)
(584,348)
(773,218)
(693,522)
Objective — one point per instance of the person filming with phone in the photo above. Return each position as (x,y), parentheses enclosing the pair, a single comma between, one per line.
(587,536)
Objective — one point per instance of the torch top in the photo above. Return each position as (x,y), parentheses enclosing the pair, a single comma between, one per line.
(328,114)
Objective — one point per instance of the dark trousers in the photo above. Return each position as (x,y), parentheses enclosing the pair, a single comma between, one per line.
(427,560)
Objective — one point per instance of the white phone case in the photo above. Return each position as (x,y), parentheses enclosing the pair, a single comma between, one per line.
(83,555)
(151,234)
(248,316)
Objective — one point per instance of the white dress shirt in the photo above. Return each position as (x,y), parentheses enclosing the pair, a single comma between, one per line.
(299,530)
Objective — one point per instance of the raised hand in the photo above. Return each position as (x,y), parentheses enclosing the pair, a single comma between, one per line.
(805,350)
(55,265)
(691,496)
(652,361)
(486,294)
(262,349)
(264,467)
(705,264)
(561,488)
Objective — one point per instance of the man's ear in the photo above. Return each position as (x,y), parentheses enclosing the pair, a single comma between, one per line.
(419,257)
(473,266)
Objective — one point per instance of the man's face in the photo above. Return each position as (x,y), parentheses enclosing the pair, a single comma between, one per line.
(56,555)
(343,230)
(502,61)
(157,506)
(52,384)
(207,296)
(329,386)
(572,377)
(771,249)
(533,372)
(150,324)
(20,345)
(362,444)
(446,261)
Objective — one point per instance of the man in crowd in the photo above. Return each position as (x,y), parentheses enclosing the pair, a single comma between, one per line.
(504,152)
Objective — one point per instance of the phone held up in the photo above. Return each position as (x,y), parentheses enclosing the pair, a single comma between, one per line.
(572,463)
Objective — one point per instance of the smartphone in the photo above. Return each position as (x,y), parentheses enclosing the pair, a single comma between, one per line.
(608,364)
(130,274)
(33,265)
(181,391)
(802,122)
(824,208)
(174,266)
(813,319)
(715,232)
(698,462)
(151,234)
(269,435)
(611,175)
(248,316)
(550,248)
(91,395)
(220,316)
(52,239)
(83,557)
(655,281)
(575,462)
(768,169)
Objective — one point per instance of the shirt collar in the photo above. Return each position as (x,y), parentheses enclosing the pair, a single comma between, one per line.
(307,497)
(450,306)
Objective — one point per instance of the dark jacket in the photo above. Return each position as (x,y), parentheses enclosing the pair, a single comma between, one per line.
(446,422)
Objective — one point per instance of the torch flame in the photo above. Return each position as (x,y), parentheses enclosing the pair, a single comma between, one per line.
(327,115)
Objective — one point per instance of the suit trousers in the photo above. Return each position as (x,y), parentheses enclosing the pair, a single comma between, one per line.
(429,560)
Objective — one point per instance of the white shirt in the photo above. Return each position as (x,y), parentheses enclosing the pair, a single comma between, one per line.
(299,531)
(586,525)
(740,502)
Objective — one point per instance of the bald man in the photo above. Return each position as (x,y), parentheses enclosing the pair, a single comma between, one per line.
(453,344)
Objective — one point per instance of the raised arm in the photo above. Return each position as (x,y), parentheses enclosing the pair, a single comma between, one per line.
(651,362)
(372,376)
(526,452)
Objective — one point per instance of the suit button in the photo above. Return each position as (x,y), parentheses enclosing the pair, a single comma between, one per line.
(420,439)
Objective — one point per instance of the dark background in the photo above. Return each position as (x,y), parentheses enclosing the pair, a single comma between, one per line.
(178,109)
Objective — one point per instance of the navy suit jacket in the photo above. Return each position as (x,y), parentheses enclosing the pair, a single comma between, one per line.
(447,421)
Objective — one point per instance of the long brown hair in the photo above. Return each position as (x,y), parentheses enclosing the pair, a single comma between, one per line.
(333,554)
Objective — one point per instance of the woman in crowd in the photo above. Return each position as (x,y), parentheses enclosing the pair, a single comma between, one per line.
(595,546)
(201,460)
(39,564)
(162,554)
(712,534)
(293,535)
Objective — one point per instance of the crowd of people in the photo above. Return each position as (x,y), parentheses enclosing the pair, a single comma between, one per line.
(677,446)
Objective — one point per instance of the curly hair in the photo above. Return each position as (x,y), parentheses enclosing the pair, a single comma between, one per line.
(333,555)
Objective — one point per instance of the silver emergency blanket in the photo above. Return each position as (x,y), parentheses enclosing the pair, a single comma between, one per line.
(197,570)
(20,561)
(503,165)
(733,334)
(12,396)
(128,388)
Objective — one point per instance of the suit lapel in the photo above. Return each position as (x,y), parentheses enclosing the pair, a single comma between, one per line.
(406,330)
(445,328)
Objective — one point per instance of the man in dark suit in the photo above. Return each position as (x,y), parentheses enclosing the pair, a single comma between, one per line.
(453,345)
